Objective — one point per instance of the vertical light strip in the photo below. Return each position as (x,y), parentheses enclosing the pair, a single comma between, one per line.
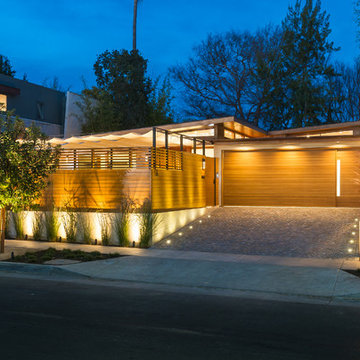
(338,177)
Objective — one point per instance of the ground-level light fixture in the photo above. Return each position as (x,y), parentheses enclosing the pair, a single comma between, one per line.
(168,241)
(350,250)
(190,227)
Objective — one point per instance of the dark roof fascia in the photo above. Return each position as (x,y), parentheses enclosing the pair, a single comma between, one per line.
(288,138)
(9,90)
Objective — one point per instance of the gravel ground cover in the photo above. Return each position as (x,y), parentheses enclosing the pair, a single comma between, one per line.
(292,232)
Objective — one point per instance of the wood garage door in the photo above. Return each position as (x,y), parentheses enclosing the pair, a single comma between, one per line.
(349,179)
(279,178)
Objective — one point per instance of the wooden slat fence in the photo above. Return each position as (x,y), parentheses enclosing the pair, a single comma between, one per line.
(120,158)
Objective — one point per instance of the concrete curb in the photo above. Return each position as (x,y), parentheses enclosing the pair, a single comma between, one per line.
(36,269)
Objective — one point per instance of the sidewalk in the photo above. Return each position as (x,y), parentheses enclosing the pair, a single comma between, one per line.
(311,279)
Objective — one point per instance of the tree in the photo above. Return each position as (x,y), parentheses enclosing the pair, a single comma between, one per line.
(136,2)
(346,92)
(5,66)
(276,78)
(124,97)
(357,16)
(305,53)
(230,75)
(26,161)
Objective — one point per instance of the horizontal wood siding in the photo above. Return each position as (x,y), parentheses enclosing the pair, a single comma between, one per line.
(179,189)
(96,189)
(279,178)
(349,178)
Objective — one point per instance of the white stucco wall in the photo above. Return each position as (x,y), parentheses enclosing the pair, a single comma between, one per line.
(73,115)
(168,223)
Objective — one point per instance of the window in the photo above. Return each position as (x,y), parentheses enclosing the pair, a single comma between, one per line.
(40,110)
(3,102)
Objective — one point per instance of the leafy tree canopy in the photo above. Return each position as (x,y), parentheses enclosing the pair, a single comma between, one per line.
(26,160)
(124,97)
(278,77)
(305,53)
(5,66)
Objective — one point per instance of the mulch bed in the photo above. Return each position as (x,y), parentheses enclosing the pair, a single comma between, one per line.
(40,257)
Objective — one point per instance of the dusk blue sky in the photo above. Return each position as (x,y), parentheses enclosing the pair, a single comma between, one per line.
(62,38)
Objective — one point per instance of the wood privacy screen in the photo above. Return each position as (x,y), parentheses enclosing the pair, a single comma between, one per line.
(120,158)
(100,178)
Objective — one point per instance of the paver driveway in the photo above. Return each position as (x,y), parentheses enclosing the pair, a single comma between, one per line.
(272,231)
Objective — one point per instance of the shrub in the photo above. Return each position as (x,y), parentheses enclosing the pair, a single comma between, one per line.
(7,225)
(85,227)
(18,218)
(52,225)
(70,220)
(122,221)
(38,225)
(105,229)
(148,224)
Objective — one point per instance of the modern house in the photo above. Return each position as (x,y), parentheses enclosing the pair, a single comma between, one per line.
(184,168)
(55,112)
(218,161)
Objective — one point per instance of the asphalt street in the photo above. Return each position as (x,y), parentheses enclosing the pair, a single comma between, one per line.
(47,319)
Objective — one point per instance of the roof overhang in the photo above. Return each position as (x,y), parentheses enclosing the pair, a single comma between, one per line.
(316,129)
(8,90)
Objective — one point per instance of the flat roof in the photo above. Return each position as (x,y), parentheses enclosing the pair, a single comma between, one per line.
(317,128)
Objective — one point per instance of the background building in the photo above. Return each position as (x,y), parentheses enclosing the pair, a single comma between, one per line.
(55,112)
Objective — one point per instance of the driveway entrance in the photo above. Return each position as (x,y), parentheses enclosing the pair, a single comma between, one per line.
(271,231)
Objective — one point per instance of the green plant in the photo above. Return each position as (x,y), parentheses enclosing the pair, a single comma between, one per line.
(149,222)
(70,222)
(7,225)
(105,229)
(51,225)
(122,221)
(38,225)
(85,227)
(26,161)
(18,218)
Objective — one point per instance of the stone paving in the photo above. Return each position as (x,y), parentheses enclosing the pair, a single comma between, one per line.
(270,231)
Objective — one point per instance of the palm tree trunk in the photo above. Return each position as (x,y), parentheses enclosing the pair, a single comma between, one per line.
(134,24)
(2,229)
